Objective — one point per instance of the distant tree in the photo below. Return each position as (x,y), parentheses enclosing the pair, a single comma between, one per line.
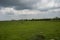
(56,18)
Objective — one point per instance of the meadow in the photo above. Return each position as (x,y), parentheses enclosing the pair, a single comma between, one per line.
(26,30)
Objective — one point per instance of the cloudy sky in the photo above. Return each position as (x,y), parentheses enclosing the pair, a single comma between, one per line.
(28,9)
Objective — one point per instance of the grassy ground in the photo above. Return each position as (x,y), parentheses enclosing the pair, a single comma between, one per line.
(24,30)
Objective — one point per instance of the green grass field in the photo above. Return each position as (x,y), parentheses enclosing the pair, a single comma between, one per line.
(25,30)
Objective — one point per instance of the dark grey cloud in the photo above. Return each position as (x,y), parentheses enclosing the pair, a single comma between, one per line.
(8,3)
(30,4)
(47,9)
(18,4)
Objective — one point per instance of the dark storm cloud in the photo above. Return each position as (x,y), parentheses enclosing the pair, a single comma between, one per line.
(8,3)
(30,4)
(47,9)
(18,4)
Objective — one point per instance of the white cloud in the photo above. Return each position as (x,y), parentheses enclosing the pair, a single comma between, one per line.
(44,4)
(12,10)
(11,13)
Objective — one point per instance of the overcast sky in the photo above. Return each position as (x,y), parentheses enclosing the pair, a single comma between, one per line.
(28,9)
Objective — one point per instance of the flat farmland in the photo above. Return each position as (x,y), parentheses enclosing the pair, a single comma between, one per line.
(25,30)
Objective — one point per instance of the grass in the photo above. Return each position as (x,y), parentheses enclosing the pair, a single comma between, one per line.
(24,30)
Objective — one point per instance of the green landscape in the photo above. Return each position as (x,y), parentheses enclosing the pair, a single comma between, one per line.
(29,19)
(27,30)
